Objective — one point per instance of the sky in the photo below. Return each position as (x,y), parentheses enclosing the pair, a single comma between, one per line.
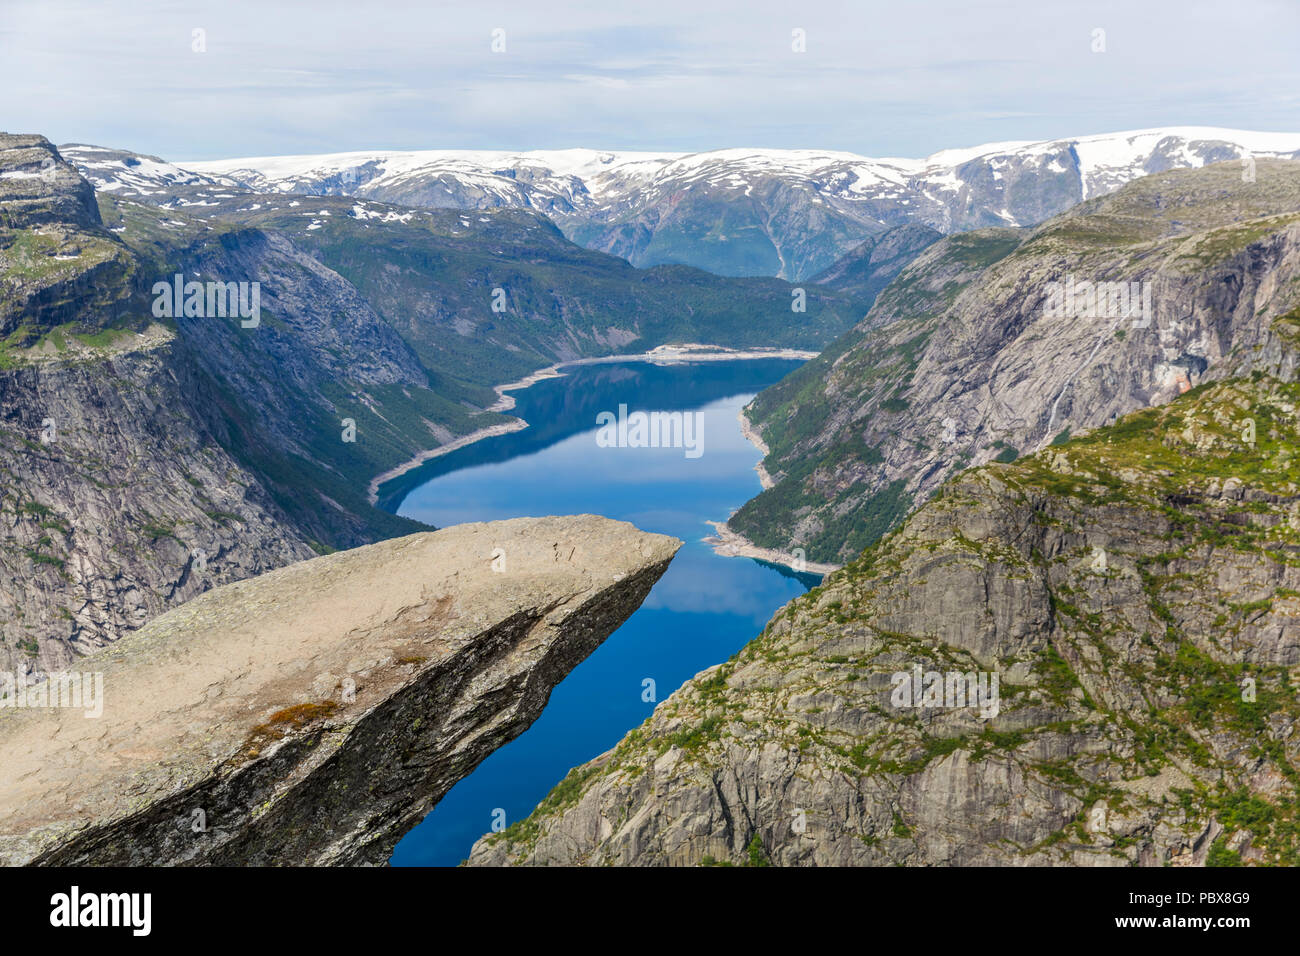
(878,78)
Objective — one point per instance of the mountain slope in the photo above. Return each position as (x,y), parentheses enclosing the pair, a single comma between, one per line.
(134,175)
(1133,594)
(117,500)
(868,269)
(959,362)
(434,276)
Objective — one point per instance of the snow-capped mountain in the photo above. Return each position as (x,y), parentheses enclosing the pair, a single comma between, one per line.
(124,173)
(790,213)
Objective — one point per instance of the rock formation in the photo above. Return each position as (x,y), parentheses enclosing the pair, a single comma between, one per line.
(961,361)
(314,714)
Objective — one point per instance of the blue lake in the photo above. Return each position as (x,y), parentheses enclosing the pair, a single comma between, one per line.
(703,609)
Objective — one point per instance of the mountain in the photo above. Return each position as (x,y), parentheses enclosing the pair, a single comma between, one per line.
(148,460)
(960,361)
(1085,657)
(434,274)
(787,213)
(135,175)
(154,454)
(870,267)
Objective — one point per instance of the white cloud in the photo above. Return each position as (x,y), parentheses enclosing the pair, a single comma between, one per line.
(882,79)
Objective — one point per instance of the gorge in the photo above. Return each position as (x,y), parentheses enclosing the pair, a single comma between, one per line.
(232,524)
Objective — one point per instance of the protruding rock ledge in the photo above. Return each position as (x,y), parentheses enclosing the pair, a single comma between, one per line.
(314,714)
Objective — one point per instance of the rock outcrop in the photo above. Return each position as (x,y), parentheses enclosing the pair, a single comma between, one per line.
(58,264)
(314,714)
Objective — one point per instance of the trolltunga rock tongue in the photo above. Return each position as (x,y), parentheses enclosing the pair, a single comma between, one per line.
(312,715)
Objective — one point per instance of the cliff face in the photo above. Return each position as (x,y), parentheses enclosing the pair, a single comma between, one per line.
(961,362)
(282,390)
(115,502)
(145,461)
(57,262)
(314,714)
(1119,614)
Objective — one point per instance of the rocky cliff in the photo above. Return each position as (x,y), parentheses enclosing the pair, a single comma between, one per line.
(314,714)
(965,357)
(58,264)
(117,497)
(1089,656)
(148,459)
(116,502)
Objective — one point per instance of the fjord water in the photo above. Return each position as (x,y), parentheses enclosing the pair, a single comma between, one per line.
(704,608)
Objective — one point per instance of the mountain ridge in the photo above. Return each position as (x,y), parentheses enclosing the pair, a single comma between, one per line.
(959,362)
(735,211)
(1117,615)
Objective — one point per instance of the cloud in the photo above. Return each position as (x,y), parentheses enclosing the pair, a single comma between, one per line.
(880,79)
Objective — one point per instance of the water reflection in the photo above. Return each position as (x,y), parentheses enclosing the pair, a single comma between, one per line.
(703,609)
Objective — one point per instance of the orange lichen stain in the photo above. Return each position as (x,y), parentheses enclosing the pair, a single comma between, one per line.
(301,714)
(283,722)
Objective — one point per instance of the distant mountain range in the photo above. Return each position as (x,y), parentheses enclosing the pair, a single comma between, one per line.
(736,212)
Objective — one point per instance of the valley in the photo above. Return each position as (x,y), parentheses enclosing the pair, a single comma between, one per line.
(1029,407)
(254,446)
(702,609)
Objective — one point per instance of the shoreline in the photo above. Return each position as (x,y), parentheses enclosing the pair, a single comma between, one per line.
(660,355)
(729,543)
(752,436)
(505,428)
